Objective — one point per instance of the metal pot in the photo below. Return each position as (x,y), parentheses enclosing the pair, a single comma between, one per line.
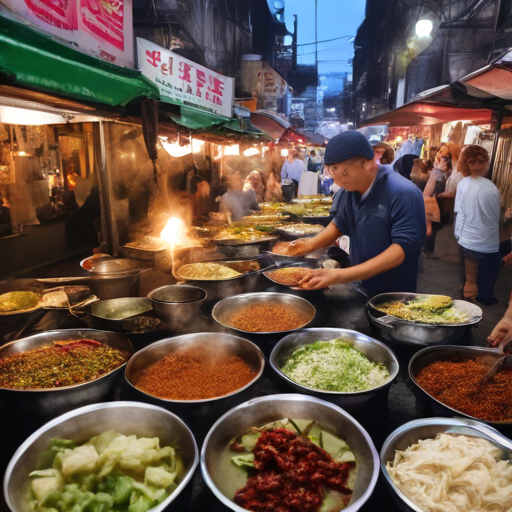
(414,333)
(112,286)
(112,314)
(177,305)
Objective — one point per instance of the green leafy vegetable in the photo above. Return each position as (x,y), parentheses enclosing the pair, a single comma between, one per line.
(110,472)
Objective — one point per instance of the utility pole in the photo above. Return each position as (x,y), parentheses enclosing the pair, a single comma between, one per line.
(316,34)
(294,43)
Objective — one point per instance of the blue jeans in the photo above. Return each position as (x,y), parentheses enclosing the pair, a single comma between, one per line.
(488,270)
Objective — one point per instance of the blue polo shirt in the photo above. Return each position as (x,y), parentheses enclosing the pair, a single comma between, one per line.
(393,212)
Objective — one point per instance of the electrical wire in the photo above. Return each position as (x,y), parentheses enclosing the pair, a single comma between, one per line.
(325,49)
(325,41)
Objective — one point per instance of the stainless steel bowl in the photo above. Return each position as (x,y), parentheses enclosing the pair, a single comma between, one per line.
(410,433)
(414,333)
(227,307)
(53,401)
(428,355)
(177,305)
(211,343)
(222,288)
(266,409)
(112,314)
(114,286)
(373,349)
(128,418)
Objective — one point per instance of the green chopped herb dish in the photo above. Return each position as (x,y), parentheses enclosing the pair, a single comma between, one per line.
(110,472)
(334,365)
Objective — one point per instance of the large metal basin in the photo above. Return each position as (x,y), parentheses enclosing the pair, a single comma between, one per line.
(373,349)
(55,401)
(266,409)
(212,343)
(410,433)
(429,355)
(127,418)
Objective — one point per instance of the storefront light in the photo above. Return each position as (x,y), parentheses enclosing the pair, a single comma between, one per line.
(175,149)
(14,115)
(232,150)
(284,152)
(197,145)
(251,152)
(424,28)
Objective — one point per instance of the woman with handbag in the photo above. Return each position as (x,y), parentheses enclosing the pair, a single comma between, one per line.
(477,226)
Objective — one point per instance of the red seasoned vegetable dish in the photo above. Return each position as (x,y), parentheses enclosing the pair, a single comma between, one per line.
(290,471)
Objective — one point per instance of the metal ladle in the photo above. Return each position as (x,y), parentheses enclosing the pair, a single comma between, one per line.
(496,367)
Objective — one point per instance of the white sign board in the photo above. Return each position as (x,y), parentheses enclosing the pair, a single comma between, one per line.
(184,82)
(101,28)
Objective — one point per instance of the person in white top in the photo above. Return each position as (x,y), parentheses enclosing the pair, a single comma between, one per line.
(477,226)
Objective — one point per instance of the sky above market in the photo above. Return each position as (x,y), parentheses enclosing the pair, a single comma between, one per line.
(336,18)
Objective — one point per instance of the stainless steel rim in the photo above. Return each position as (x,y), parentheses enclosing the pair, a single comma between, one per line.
(279,372)
(295,397)
(108,405)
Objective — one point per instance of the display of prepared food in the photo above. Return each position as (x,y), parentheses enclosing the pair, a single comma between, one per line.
(149,243)
(433,309)
(244,232)
(195,374)
(66,363)
(110,472)
(216,271)
(290,276)
(457,383)
(453,473)
(334,365)
(11,302)
(289,464)
(271,317)
(301,229)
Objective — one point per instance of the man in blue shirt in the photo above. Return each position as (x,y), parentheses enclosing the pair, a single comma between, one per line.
(382,213)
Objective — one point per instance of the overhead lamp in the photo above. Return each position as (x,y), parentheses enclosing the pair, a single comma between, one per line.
(284,152)
(197,145)
(14,115)
(232,150)
(424,28)
(175,149)
(251,152)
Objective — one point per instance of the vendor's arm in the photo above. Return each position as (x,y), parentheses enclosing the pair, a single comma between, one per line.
(392,257)
(503,328)
(306,245)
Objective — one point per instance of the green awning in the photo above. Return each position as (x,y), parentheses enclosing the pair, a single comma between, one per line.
(38,62)
(195,119)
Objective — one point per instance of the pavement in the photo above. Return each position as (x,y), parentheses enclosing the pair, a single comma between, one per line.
(445,276)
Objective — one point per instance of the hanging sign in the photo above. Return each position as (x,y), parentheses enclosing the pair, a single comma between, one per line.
(101,28)
(184,82)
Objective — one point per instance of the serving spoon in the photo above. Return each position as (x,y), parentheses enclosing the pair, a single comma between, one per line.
(496,367)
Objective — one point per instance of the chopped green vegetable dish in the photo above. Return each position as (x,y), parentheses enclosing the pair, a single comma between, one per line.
(109,472)
(334,365)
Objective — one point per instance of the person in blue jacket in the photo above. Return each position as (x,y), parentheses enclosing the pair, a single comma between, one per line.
(382,212)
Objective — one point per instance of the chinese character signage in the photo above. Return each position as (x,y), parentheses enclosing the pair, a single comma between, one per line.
(184,82)
(101,28)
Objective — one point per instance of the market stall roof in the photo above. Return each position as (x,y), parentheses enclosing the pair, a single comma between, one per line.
(471,98)
(307,138)
(269,122)
(422,113)
(35,61)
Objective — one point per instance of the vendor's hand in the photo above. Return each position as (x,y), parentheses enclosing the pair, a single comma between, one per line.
(322,278)
(295,248)
(502,330)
